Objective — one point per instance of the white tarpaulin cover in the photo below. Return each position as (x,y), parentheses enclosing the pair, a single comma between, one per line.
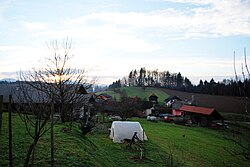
(125,130)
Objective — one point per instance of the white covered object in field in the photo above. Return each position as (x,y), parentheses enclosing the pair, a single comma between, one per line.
(121,130)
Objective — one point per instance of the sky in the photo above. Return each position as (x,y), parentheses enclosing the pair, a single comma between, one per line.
(112,37)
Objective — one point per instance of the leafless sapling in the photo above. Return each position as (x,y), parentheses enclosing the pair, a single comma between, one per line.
(34,109)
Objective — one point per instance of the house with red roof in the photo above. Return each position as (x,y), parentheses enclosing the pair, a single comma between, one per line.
(200,115)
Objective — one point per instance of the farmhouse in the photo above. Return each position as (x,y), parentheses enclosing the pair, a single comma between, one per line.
(106,96)
(201,115)
(176,105)
(33,96)
(153,98)
(100,99)
(170,100)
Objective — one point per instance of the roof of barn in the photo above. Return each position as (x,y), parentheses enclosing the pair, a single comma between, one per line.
(195,109)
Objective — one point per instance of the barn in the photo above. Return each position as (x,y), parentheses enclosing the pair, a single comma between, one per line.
(201,115)
(153,98)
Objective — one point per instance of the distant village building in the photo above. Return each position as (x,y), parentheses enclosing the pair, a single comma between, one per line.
(153,98)
(149,111)
(100,99)
(107,96)
(170,100)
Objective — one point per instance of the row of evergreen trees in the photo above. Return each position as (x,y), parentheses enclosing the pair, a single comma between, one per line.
(145,77)
(153,78)
(165,79)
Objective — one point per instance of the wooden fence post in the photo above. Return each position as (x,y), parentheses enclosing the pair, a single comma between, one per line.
(10,131)
(52,132)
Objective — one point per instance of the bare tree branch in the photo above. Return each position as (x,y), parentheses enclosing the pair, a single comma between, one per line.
(57,79)
(235,73)
(245,56)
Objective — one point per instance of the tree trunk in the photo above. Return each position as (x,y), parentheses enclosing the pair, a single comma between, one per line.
(10,132)
(33,157)
(30,151)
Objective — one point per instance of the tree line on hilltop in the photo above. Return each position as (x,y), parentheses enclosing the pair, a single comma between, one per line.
(165,79)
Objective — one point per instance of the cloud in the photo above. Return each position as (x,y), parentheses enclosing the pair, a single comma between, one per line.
(34,25)
(105,39)
(191,1)
(15,57)
(208,19)
(4,48)
(4,5)
(8,75)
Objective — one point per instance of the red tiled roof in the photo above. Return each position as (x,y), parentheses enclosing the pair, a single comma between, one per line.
(101,97)
(195,109)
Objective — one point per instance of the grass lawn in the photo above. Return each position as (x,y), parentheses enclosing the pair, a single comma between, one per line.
(145,92)
(194,146)
(199,146)
(141,92)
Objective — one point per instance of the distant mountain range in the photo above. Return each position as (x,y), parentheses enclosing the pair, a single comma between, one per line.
(8,80)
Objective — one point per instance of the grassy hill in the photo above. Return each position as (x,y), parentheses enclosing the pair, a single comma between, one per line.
(232,108)
(142,92)
(190,146)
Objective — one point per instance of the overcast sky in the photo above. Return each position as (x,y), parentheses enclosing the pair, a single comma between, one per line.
(112,37)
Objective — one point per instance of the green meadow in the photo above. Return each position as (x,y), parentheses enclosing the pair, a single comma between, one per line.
(142,92)
(185,146)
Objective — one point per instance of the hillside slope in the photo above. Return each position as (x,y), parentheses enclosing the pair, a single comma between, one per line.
(199,147)
(142,92)
(226,104)
(221,103)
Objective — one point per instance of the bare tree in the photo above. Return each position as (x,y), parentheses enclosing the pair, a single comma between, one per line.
(34,109)
(235,72)
(245,147)
(59,79)
(169,157)
(245,56)
(52,146)
(54,83)
(128,107)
